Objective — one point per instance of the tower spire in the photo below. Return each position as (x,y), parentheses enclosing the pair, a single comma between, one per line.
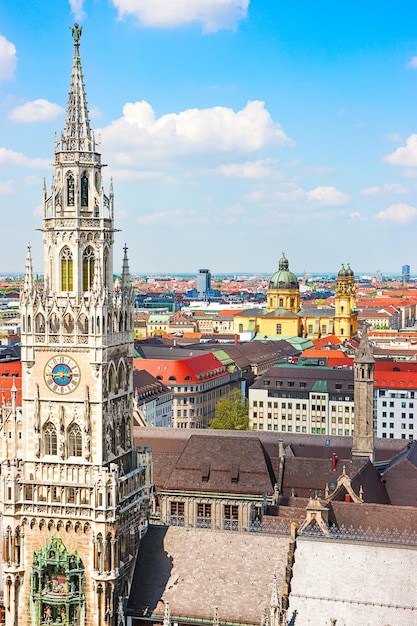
(364,367)
(77,134)
(125,270)
(29,283)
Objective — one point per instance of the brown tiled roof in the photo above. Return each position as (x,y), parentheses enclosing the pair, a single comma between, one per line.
(305,476)
(401,477)
(221,456)
(374,516)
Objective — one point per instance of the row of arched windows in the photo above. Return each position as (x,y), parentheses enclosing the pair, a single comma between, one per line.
(71,190)
(117,322)
(117,379)
(88,264)
(74,440)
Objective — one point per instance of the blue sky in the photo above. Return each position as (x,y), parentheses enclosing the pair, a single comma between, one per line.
(234,130)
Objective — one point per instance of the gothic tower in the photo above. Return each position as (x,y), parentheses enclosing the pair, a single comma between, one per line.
(364,366)
(75,492)
(345,319)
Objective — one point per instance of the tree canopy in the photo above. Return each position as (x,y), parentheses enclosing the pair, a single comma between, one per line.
(232,412)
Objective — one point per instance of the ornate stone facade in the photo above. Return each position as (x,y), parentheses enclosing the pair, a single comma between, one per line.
(75,491)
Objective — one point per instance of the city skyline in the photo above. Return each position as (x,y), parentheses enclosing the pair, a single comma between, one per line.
(233,130)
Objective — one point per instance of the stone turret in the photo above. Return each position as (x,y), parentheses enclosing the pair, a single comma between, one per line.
(364,366)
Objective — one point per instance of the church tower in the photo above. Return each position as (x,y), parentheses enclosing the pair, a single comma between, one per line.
(345,319)
(283,289)
(74,491)
(364,367)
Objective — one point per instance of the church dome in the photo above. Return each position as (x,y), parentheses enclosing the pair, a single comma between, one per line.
(283,278)
(344,273)
(350,271)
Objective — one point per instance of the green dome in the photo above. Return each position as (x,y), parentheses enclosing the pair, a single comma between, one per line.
(283,278)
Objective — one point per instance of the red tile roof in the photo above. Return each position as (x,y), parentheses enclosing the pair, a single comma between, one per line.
(11,373)
(193,369)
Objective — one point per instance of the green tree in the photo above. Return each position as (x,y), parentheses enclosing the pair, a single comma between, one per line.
(232,412)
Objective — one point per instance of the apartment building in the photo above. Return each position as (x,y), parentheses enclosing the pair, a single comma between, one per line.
(196,382)
(395,404)
(152,400)
(303,399)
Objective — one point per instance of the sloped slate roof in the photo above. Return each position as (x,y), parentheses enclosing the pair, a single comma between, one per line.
(195,570)
(401,477)
(255,474)
(307,475)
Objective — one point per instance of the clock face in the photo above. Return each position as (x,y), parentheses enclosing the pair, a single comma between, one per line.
(62,374)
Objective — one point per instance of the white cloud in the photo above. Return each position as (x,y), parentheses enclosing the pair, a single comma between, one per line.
(398,213)
(377,190)
(355,215)
(412,63)
(6,186)
(394,137)
(405,156)
(328,196)
(176,216)
(17,159)
(251,169)
(213,15)
(77,9)
(319,169)
(36,111)
(139,134)
(8,59)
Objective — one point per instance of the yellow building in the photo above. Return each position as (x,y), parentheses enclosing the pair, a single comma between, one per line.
(284,316)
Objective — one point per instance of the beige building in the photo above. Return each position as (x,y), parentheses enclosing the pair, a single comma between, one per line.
(74,489)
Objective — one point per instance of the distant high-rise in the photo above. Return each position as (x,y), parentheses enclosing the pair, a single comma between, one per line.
(203,283)
(405,271)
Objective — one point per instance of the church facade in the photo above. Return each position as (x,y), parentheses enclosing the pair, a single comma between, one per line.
(285,317)
(75,491)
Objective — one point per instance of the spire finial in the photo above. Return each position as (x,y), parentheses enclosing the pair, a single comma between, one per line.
(76,33)
(125,270)
(28,285)
(77,134)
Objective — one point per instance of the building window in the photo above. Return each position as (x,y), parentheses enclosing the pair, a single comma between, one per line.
(70,190)
(203,515)
(75,441)
(231,517)
(88,268)
(310,329)
(50,439)
(278,330)
(177,514)
(67,277)
(281,302)
(84,191)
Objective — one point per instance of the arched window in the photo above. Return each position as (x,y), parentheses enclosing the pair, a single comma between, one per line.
(68,323)
(75,441)
(106,268)
(50,439)
(39,323)
(70,190)
(67,275)
(84,191)
(112,379)
(121,378)
(88,268)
